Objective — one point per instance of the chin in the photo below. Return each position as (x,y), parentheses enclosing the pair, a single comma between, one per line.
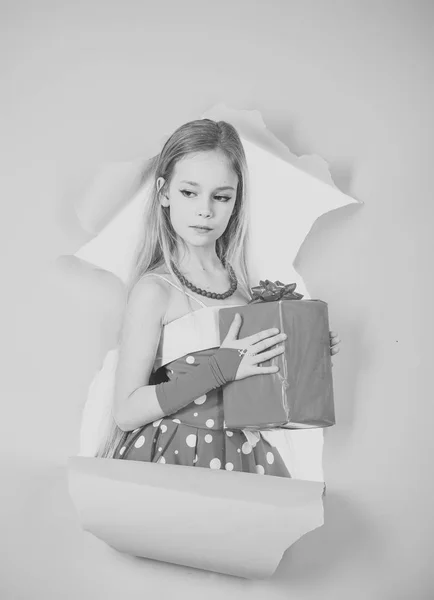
(200,240)
(201,243)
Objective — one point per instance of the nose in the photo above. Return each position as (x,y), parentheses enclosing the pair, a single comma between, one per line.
(204,209)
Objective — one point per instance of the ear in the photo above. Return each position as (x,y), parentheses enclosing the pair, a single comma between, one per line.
(164,200)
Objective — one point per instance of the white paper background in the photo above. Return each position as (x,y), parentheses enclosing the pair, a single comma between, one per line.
(349,81)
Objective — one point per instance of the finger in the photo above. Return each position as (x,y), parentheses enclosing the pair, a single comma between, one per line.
(262,370)
(271,341)
(262,335)
(264,356)
(334,351)
(335,342)
(235,326)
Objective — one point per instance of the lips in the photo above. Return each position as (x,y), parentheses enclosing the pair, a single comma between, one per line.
(201,228)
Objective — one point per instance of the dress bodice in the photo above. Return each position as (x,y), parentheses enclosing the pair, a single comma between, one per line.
(193,332)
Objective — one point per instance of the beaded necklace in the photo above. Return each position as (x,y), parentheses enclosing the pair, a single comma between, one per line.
(232,276)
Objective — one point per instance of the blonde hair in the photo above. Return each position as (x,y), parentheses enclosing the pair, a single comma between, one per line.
(160,243)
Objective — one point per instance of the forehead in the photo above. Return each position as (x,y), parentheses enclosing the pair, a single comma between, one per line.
(207,168)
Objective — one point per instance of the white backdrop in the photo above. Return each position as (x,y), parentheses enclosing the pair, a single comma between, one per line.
(350,81)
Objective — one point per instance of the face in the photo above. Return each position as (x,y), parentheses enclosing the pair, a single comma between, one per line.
(202,192)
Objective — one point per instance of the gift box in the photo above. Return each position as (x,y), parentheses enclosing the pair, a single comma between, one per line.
(300,394)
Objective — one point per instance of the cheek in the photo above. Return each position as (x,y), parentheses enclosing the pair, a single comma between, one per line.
(228,212)
(179,213)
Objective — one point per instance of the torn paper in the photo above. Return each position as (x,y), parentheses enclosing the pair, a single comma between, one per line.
(287,195)
(233,523)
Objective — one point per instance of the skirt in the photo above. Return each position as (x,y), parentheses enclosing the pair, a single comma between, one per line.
(169,441)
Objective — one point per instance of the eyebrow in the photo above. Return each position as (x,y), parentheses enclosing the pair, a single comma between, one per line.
(223,187)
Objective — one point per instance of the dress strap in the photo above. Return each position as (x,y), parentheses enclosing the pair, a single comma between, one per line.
(178,288)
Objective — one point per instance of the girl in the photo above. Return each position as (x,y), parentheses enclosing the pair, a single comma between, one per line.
(167,404)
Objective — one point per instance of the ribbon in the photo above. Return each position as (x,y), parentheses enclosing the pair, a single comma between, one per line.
(269,291)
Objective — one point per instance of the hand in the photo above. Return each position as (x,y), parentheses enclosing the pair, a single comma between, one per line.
(255,345)
(334,342)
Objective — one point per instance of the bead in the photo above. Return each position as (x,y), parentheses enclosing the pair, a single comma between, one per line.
(190,360)
(232,277)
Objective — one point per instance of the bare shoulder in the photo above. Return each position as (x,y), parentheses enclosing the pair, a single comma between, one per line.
(149,294)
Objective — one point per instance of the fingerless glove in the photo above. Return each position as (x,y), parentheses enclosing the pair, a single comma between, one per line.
(218,369)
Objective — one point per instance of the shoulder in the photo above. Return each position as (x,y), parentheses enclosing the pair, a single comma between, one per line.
(150,285)
(149,295)
(162,278)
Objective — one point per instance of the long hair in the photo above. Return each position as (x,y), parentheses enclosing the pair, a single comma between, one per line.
(160,243)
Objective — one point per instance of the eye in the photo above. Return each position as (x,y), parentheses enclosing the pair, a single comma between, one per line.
(184,192)
(225,198)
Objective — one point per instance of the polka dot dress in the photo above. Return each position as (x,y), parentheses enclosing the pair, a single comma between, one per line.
(194,436)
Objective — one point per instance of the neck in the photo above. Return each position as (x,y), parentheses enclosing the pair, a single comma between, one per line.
(204,262)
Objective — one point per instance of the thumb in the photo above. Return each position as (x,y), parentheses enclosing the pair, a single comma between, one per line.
(235,326)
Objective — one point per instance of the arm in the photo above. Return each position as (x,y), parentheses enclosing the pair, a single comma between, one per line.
(136,402)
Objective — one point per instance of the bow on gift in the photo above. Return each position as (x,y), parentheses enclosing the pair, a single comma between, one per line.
(267,291)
